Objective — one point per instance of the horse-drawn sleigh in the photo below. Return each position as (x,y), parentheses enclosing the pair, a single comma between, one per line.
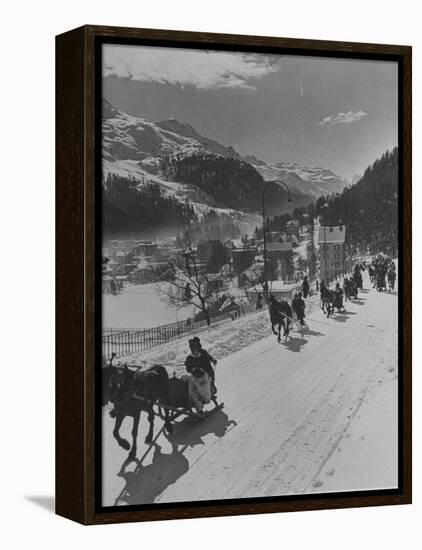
(285,316)
(132,390)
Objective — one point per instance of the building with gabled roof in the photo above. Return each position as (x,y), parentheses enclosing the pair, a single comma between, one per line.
(331,242)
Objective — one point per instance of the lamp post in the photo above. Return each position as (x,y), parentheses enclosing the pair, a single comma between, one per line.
(264,229)
(325,205)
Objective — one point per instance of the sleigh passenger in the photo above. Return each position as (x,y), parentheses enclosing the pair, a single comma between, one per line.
(201,380)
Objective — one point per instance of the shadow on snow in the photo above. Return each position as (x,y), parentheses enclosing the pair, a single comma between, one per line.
(143,484)
(343,317)
(295,344)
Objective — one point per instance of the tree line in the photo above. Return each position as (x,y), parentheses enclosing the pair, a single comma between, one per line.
(131,209)
(230,182)
(368,209)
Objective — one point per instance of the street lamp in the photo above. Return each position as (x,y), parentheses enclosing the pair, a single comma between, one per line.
(264,229)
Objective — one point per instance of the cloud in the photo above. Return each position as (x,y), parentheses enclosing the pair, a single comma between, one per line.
(342,118)
(200,68)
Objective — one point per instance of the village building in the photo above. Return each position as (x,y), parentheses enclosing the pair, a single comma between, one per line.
(279,289)
(243,258)
(292,228)
(331,242)
(144,249)
(213,253)
(279,260)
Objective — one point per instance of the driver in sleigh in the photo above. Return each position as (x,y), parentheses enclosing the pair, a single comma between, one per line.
(199,364)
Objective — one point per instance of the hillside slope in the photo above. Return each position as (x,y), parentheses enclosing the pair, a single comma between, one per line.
(312,182)
(207,173)
(369,208)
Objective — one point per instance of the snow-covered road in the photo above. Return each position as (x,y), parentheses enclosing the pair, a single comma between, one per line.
(317,414)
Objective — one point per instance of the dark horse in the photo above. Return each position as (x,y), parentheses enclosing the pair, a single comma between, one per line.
(330,299)
(281,315)
(391,276)
(131,392)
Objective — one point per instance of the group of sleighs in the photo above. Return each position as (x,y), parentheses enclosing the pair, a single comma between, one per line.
(381,269)
(332,300)
(132,390)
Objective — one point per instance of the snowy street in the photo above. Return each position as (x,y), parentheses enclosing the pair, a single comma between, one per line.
(316,414)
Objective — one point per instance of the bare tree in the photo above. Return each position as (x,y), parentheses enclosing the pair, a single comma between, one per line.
(186,282)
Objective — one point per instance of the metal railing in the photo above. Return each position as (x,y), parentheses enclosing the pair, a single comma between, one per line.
(128,341)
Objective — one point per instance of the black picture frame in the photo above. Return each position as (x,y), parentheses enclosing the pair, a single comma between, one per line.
(78,265)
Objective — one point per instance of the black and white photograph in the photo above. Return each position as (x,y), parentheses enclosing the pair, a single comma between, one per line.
(250,274)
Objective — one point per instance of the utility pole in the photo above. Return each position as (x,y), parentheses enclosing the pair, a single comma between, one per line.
(325,257)
(264,229)
(264,236)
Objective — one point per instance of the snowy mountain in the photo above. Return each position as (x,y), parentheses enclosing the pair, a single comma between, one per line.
(136,147)
(310,182)
(187,131)
(129,140)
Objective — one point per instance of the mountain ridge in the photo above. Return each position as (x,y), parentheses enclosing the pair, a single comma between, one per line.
(136,147)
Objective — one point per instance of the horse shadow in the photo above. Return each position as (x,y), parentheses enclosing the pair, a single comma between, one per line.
(295,344)
(343,317)
(144,483)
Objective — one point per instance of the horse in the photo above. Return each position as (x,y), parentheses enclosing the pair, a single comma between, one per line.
(348,289)
(281,315)
(132,392)
(391,279)
(353,287)
(372,273)
(328,299)
(331,299)
(357,278)
(380,282)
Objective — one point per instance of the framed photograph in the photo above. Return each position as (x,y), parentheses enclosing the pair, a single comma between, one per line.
(233,274)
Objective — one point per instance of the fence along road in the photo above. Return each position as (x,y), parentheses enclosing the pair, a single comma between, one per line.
(127,341)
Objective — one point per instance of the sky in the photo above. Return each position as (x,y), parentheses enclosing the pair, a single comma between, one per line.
(337,113)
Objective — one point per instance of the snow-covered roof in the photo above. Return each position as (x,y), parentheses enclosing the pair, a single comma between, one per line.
(279,247)
(280,286)
(336,234)
(276,287)
(250,250)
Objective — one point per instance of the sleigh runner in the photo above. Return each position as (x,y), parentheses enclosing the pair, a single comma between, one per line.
(176,412)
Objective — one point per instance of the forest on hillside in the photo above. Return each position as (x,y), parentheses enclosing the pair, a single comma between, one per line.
(131,210)
(230,182)
(368,209)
